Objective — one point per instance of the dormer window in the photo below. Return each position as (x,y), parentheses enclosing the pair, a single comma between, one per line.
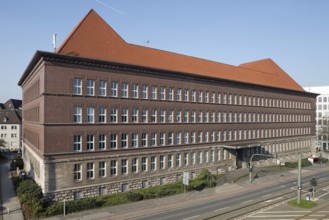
(4,119)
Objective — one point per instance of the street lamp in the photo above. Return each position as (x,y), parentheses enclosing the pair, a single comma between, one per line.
(250,164)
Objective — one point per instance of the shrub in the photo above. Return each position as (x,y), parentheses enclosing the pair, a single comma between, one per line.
(134,196)
(165,192)
(197,184)
(305,163)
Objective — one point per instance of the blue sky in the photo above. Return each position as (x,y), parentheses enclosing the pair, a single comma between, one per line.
(294,33)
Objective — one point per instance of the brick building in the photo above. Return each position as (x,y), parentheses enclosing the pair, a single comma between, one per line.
(104,116)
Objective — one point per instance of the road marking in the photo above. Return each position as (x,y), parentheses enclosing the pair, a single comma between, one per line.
(272,200)
(191,217)
(218,210)
(267,195)
(282,186)
(246,201)
(324,194)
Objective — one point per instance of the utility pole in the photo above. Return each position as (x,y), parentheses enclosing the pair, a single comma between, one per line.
(299,182)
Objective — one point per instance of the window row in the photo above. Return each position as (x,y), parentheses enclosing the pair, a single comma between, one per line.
(4,127)
(13,135)
(153,92)
(144,164)
(154,139)
(135,115)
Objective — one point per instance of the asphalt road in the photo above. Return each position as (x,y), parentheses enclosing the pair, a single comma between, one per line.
(242,199)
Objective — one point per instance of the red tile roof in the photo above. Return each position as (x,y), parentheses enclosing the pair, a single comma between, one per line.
(94,38)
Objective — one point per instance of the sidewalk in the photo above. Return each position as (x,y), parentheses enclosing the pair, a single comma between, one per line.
(10,202)
(228,189)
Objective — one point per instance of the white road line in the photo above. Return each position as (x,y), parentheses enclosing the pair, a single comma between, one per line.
(324,194)
(271,200)
(191,217)
(274,212)
(218,210)
(246,201)
(267,195)
(282,186)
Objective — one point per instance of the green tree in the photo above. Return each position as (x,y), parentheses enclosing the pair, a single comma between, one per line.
(2,143)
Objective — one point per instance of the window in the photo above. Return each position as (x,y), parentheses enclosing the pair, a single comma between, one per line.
(13,127)
(153,163)
(178,163)
(199,116)
(124,90)
(219,98)
(185,159)
(124,140)
(219,119)
(90,170)
(90,115)
(102,142)
(153,139)
(162,138)
(77,115)
(206,157)
(170,138)
(102,88)
(212,117)
(179,116)
(207,117)
(134,140)
(134,163)
(170,116)
(186,95)
(179,94)
(186,116)
(144,139)
(77,86)
(102,169)
(113,167)
(170,157)
(90,87)
(178,137)
(114,89)
(193,137)
(200,137)
(186,137)
(77,142)
(124,167)
(200,96)
(213,97)
(212,156)
(144,164)
(77,172)
(124,115)
(170,94)
(161,162)
(162,116)
(144,91)
(134,115)
(207,97)
(134,91)
(144,115)
(114,114)
(193,116)
(154,92)
(113,141)
(102,115)
(193,96)
(162,93)
(154,116)
(199,157)
(192,158)
(90,142)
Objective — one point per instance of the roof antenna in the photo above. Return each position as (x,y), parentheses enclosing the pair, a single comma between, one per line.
(54,42)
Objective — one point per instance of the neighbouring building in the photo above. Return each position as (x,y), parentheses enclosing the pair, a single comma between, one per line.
(104,116)
(11,124)
(322,115)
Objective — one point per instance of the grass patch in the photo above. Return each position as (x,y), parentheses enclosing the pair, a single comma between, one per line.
(303,204)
